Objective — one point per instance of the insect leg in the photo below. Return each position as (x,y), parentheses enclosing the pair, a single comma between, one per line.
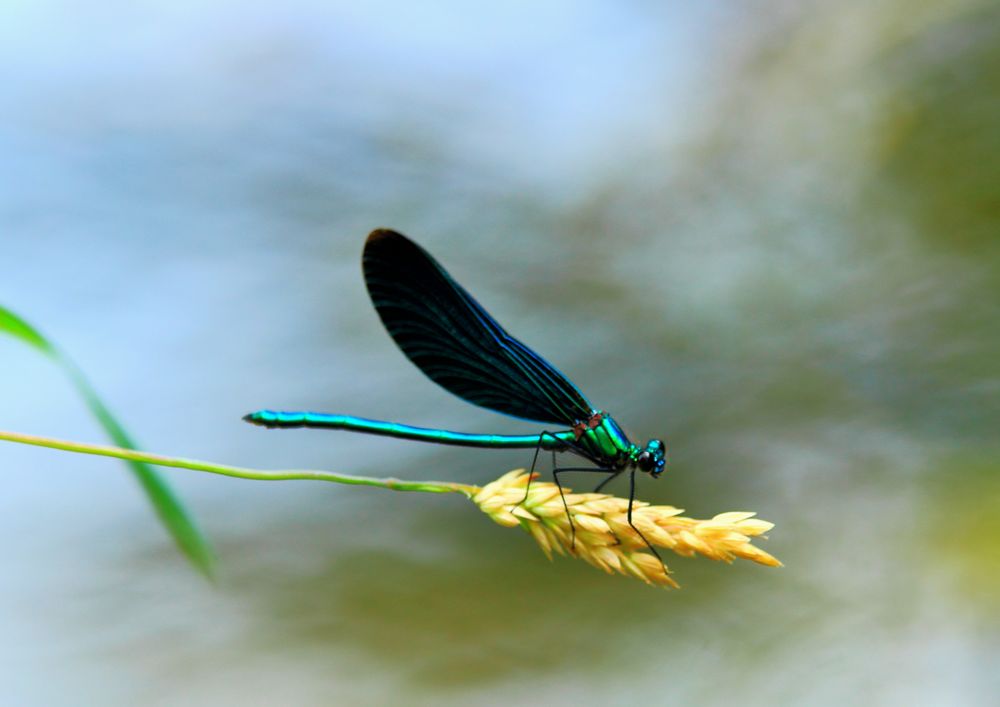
(531,471)
(631,500)
(604,483)
(555,476)
(562,446)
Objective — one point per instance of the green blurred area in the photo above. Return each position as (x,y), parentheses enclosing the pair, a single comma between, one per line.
(938,137)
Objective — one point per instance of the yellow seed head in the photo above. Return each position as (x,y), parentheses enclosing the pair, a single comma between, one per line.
(604,537)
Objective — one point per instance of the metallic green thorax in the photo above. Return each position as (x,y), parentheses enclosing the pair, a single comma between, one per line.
(605,441)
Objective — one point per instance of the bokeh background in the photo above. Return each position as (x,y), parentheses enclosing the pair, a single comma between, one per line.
(766,231)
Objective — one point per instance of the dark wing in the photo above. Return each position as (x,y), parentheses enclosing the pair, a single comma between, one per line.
(452,339)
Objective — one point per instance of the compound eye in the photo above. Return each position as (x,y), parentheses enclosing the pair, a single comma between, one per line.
(645,461)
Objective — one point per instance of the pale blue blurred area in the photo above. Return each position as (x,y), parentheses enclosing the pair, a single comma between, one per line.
(766,232)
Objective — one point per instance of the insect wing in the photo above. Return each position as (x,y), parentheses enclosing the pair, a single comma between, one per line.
(448,335)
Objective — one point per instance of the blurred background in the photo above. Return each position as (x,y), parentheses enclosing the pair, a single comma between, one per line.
(766,231)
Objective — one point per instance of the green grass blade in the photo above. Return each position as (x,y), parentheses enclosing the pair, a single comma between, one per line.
(168,507)
(12,324)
